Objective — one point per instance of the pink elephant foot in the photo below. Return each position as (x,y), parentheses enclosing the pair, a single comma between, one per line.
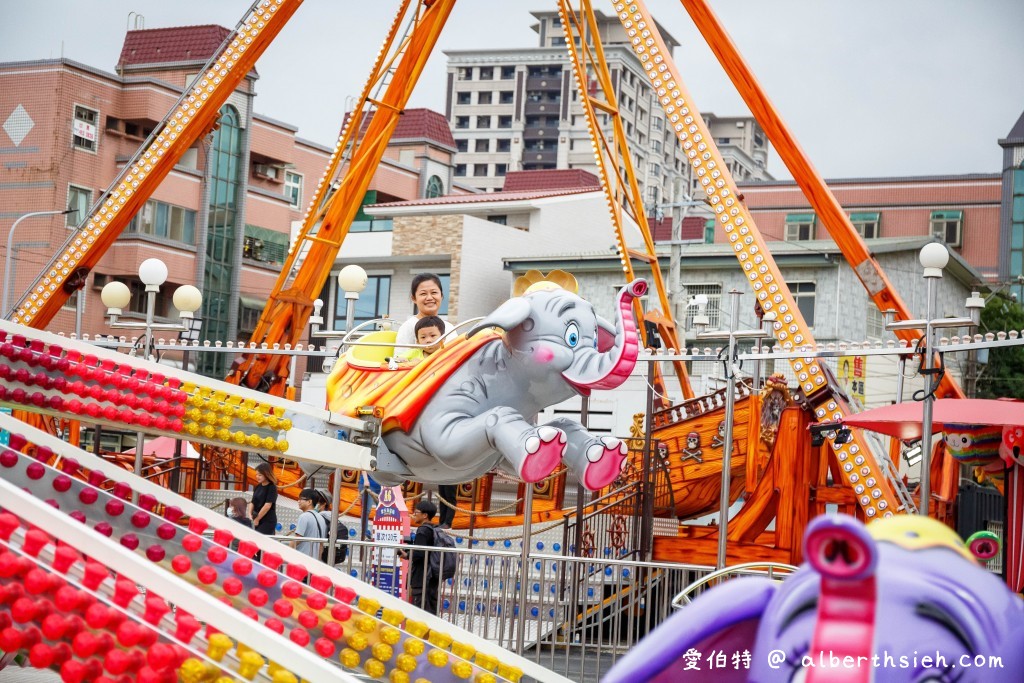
(605,461)
(543,453)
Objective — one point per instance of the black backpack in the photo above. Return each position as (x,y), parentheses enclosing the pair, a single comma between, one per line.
(340,546)
(442,564)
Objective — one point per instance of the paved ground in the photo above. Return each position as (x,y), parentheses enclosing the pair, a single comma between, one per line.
(19,675)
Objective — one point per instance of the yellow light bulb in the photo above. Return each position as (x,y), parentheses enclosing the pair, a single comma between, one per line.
(414,647)
(208,431)
(366,624)
(358,641)
(368,605)
(374,668)
(283,676)
(439,639)
(249,664)
(238,437)
(191,671)
(218,646)
(349,658)
(392,616)
(406,662)
(398,676)
(437,657)
(282,445)
(382,651)
(253,440)
(416,628)
(390,635)
(462,670)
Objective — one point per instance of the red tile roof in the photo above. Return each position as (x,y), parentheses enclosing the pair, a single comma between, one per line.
(419,124)
(554,179)
(485,197)
(692,228)
(173,44)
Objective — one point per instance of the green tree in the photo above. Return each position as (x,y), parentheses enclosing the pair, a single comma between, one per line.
(1003,375)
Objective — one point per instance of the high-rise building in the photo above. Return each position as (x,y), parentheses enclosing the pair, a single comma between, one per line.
(518,109)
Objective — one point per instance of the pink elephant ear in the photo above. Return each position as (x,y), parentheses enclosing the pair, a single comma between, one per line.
(724,619)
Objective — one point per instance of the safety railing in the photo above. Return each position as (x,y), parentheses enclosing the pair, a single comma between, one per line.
(776,571)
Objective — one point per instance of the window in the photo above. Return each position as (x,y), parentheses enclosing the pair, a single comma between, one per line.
(463,98)
(948,226)
(435,188)
(462,122)
(657,124)
(709,231)
(508,73)
(558,41)
(483,98)
(487,73)
(503,145)
(500,220)
(714,307)
(480,170)
(293,188)
(867,224)
(500,170)
(504,122)
(84,128)
(264,245)
(481,145)
(656,146)
(465,73)
(460,169)
(506,97)
(483,122)
(137,304)
(249,311)
(875,323)
(364,222)
(165,220)
(655,169)
(462,145)
(79,199)
(72,301)
(799,227)
(371,304)
(803,295)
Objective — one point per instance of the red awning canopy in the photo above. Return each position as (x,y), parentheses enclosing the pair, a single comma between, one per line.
(903,420)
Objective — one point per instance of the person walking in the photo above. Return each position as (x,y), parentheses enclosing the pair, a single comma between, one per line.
(310,523)
(263,508)
(422,587)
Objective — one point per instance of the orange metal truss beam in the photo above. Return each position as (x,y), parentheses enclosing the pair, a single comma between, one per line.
(615,169)
(192,117)
(825,204)
(397,69)
(860,470)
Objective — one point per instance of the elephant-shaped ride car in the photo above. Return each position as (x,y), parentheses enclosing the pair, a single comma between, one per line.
(899,600)
(466,409)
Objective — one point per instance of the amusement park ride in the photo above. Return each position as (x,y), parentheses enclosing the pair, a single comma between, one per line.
(783,478)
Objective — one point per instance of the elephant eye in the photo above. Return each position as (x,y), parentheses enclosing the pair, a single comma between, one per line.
(572,335)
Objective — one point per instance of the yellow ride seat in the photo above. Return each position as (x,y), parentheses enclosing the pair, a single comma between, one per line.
(366,356)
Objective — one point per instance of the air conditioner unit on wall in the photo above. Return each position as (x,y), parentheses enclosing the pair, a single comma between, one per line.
(265,171)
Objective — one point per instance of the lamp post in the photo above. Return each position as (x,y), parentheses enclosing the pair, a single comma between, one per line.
(351,280)
(731,370)
(934,257)
(10,248)
(116,296)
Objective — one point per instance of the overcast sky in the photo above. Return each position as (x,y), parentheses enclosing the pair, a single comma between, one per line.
(868,87)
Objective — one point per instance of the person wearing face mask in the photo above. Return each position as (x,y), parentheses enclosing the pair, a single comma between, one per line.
(236,511)
(426,297)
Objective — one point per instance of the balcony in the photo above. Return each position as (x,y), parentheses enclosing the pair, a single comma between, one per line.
(550,107)
(545,83)
(542,156)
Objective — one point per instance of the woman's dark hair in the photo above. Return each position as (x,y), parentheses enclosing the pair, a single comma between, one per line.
(424,277)
(267,471)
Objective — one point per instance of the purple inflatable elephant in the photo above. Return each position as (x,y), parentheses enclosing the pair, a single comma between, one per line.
(899,600)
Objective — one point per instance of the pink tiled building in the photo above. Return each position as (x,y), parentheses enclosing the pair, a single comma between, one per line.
(224,216)
(961,210)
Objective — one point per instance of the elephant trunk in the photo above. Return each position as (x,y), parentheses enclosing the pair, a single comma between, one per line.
(613,366)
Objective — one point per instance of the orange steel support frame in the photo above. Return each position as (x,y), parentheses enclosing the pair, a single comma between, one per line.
(825,204)
(290,304)
(859,468)
(615,168)
(192,117)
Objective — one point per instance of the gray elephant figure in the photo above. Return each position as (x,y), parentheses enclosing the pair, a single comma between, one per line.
(467,409)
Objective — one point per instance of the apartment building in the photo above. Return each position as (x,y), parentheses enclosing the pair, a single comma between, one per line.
(519,109)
